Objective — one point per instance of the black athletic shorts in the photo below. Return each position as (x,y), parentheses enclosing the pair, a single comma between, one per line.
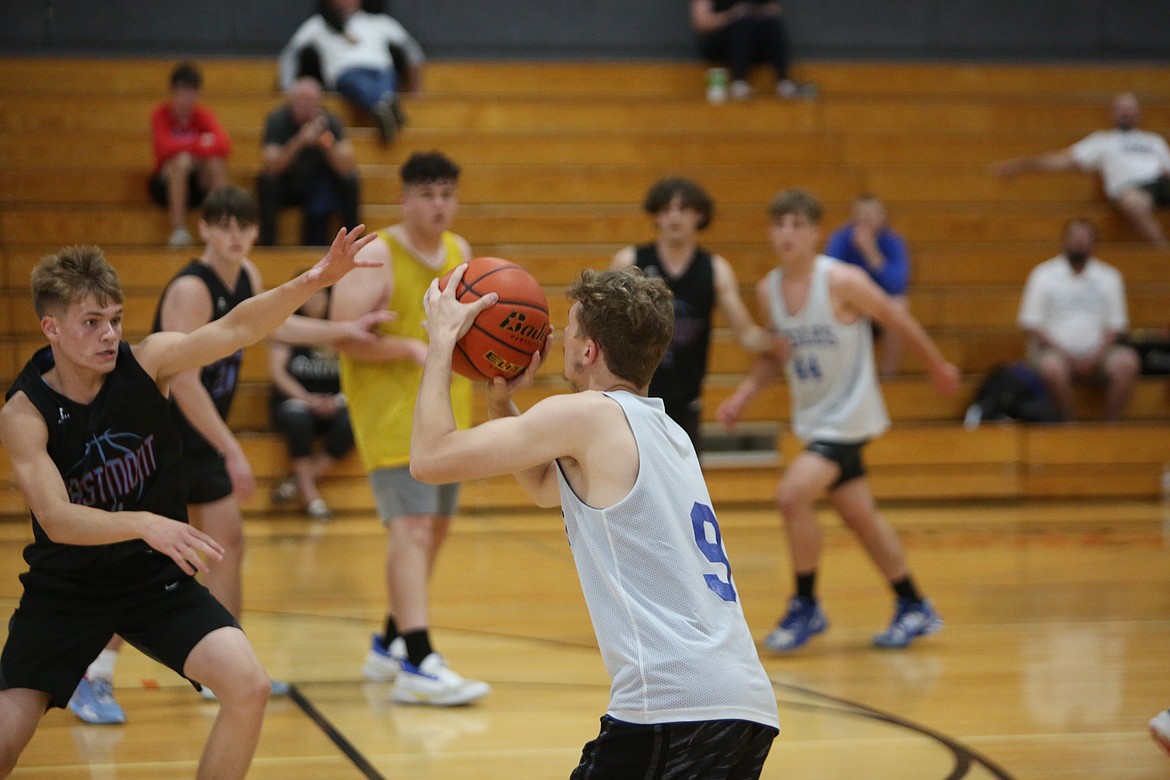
(1159,190)
(711,749)
(206,476)
(53,637)
(847,456)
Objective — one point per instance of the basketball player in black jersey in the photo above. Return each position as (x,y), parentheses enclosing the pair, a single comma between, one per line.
(87,428)
(218,475)
(700,281)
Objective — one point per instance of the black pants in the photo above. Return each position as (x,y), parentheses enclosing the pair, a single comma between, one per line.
(747,41)
(301,428)
(320,192)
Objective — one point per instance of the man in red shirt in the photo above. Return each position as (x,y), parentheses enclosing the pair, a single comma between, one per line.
(190,151)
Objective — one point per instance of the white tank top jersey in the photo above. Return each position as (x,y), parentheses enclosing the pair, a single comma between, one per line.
(659,589)
(831,376)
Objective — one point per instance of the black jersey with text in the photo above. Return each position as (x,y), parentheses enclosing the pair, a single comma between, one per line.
(680,374)
(121,452)
(221,377)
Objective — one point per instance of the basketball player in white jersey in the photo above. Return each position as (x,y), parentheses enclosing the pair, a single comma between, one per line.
(688,697)
(824,308)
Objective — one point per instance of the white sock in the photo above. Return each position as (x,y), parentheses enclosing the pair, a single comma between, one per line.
(103,665)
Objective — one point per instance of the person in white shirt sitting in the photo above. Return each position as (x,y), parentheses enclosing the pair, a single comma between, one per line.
(1134,166)
(1073,311)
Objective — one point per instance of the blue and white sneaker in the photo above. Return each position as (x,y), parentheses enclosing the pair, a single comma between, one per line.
(383,665)
(433,682)
(93,702)
(911,620)
(803,621)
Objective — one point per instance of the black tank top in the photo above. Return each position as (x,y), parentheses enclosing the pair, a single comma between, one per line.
(121,452)
(680,374)
(221,377)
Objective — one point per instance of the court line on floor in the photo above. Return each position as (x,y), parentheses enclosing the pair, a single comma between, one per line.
(964,755)
(344,745)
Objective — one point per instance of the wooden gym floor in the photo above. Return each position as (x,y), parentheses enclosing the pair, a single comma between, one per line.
(1055,653)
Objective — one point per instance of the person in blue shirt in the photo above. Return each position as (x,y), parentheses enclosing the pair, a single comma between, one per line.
(868,242)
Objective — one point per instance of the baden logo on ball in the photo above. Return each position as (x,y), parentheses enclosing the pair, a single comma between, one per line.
(504,336)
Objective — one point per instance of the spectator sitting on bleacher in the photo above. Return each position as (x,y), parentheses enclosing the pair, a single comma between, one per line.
(1073,311)
(190,151)
(741,33)
(868,243)
(1134,166)
(306,404)
(354,51)
(307,161)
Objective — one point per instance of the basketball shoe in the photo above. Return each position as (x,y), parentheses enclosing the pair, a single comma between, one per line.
(1160,729)
(912,619)
(803,621)
(383,665)
(433,682)
(93,702)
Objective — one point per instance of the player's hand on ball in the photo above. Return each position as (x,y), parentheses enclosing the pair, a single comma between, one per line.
(448,319)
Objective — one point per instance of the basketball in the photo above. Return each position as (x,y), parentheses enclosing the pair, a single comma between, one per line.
(504,336)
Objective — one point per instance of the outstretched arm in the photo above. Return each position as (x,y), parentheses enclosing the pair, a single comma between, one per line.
(253,319)
(854,287)
(25,438)
(1057,161)
(750,336)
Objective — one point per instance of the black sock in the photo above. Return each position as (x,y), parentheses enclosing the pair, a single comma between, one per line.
(806,585)
(390,632)
(905,590)
(418,645)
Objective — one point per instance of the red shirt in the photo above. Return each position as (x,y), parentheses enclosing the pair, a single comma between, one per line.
(202,136)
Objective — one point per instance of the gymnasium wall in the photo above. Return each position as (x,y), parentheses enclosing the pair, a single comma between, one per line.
(1089,30)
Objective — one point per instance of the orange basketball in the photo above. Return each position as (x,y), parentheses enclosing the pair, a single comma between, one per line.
(504,336)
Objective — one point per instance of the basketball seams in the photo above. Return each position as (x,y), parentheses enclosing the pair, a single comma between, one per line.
(502,343)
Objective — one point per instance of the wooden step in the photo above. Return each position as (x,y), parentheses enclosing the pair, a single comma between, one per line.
(1040,119)
(232,75)
(520,223)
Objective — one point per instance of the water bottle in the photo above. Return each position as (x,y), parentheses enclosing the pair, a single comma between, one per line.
(716,85)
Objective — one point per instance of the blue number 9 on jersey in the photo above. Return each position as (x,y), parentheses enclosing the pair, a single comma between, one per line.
(702,518)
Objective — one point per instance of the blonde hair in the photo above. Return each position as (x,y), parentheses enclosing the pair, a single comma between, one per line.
(71,275)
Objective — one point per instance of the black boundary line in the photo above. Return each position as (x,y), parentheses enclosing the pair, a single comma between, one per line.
(344,745)
(964,756)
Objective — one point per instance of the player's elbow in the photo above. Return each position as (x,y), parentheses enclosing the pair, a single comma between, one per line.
(426,469)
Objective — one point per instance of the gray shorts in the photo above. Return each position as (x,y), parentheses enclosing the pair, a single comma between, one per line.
(397,493)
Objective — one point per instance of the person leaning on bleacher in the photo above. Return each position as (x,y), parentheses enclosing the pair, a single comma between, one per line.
(1134,166)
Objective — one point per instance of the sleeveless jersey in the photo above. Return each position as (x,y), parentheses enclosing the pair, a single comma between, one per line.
(679,376)
(121,452)
(220,377)
(831,377)
(659,589)
(381,395)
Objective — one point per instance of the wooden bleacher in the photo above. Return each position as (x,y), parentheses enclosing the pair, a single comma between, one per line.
(556,158)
